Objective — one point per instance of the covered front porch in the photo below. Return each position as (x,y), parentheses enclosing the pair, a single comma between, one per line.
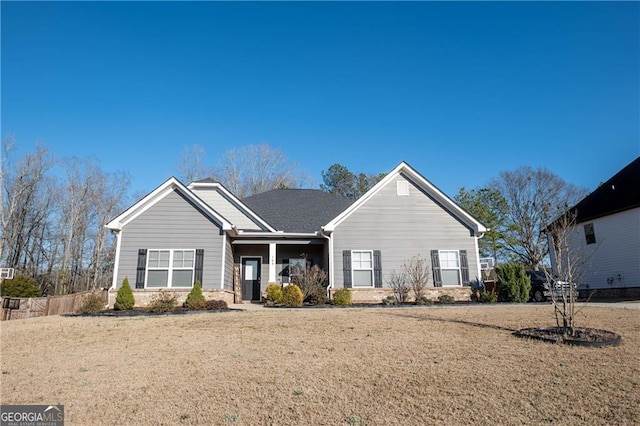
(260,262)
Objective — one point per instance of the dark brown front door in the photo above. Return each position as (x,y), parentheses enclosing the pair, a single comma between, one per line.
(251,278)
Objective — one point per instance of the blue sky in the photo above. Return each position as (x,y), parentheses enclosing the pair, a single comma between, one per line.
(461,91)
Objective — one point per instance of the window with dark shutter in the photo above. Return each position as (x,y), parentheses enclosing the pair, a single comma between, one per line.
(589,233)
(140,271)
(199,265)
(464,267)
(435,266)
(346,268)
(377,268)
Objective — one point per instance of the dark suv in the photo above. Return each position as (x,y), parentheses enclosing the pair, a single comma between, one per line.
(541,288)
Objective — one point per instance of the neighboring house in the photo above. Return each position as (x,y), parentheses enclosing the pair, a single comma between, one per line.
(605,240)
(179,234)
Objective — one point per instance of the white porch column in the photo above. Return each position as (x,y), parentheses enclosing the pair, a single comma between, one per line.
(272,262)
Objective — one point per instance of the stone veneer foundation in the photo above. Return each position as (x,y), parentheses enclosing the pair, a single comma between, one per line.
(144,297)
(377,295)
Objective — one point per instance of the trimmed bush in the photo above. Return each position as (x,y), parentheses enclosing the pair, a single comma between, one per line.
(390,301)
(445,298)
(488,297)
(423,300)
(124,298)
(514,283)
(92,304)
(195,300)
(20,286)
(216,305)
(292,295)
(164,301)
(274,293)
(342,297)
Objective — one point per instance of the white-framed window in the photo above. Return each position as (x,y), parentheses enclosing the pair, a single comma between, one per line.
(170,268)
(297,269)
(362,268)
(450,267)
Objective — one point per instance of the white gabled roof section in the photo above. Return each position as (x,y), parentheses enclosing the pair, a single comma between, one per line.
(428,187)
(253,216)
(172,184)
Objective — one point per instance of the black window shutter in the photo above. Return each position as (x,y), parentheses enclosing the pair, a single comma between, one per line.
(199,265)
(377,269)
(142,266)
(435,266)
(285,271)
(464,267)
(346,268)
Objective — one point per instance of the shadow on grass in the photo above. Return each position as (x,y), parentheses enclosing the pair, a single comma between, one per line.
(470,323)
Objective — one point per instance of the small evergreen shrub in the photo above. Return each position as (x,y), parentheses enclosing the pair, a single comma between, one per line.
(514,283)
(445,298)
(274,293)
(216,305)
(488,297)
(292,295)
(390,301)
(164,301)
(94,303)
(20,286)
(124,298)
(423,300)
(342,297)
(195,300)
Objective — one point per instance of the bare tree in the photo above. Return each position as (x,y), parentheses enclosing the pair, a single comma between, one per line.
(417,272)
(253,169)
(398,283)
(568,265)
(191,165)
(533,197)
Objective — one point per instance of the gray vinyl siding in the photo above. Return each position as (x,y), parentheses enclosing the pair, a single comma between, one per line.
(172,223)
(229,264)
(226,208)
(401,227)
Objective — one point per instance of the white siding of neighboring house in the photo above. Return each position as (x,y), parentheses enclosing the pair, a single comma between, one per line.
(221,204)
(614,260)
(401,227)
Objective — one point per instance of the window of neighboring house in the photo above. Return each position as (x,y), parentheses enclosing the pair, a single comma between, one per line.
(450,267)
(589,233)
(362,268)
(170,268)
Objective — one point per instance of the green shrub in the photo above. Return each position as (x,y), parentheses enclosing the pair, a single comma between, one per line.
(342,297)
(20,286)
(390,301)
(216,305)
(488,297)
(124,298)
(92,304)
(422,300)
(274,293)
(195,300)
(292,295)
(164,301)
(513,282)
(445,298)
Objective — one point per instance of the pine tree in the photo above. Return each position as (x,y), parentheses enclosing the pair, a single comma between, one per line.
(124,298)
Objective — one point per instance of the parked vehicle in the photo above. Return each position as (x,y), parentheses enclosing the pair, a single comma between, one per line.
(543,286)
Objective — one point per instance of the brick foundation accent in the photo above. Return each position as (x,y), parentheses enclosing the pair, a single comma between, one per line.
(376,295)
(143,297)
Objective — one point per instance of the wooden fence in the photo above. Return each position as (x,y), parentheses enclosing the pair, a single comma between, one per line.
(30,307)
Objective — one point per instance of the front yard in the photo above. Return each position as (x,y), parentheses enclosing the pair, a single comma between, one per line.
(423,365)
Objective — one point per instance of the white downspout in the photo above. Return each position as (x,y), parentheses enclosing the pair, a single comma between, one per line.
(116,264)
(330,274)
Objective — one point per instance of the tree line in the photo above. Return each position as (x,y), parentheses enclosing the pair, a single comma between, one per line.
(54,209)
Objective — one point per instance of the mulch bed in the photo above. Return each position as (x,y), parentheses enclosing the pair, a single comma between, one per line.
(591,337)
(141,312)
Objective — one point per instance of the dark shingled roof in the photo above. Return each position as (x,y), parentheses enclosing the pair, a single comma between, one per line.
(297,210)
(620,193)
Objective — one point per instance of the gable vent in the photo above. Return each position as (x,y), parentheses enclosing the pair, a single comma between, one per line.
(402,188)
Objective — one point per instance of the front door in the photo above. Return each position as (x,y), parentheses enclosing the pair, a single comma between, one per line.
(251,278)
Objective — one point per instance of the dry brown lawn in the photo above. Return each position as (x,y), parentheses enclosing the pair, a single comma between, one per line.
(427,365)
